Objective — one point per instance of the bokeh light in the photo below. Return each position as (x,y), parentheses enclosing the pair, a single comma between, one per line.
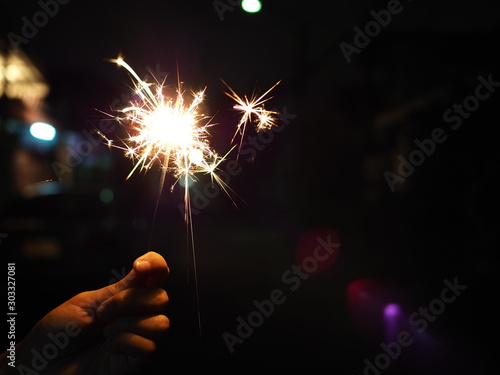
(43,131)
(251,6)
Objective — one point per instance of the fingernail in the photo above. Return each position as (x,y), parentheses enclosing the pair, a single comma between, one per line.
(143,265)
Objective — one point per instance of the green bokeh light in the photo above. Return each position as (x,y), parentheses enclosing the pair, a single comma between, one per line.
(251,6)
(106,195)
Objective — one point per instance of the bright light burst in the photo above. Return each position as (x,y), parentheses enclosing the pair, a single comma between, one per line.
(171,131)
(252,111)
(167,130)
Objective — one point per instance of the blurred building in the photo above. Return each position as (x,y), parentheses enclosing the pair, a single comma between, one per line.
(25,151)
(36,172)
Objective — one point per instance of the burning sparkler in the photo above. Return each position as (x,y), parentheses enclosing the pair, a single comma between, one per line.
(172,131)
(167,130)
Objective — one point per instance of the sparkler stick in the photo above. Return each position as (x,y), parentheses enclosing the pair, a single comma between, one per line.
(171,131)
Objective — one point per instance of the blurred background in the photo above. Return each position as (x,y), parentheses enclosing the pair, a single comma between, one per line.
(360,89)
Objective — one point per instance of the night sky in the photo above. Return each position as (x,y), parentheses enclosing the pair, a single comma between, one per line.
(384,158)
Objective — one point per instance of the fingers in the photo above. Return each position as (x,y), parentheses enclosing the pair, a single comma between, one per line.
(152,327)
(136,336)
(139,300)
(132,345)
(149,269)
(133,308)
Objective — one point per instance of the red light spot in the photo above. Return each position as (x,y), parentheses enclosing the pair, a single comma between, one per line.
(317,249)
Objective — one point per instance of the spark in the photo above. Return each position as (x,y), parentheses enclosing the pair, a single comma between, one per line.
(252,112)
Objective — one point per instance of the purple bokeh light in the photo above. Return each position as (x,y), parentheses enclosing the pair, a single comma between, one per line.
(392,310)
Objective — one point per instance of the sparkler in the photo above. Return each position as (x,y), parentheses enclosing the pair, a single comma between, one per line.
(167,130)
(171,131)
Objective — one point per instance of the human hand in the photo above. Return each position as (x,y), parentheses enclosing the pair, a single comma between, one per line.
(108,331)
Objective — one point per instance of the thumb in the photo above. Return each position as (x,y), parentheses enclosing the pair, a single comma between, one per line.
(149,269)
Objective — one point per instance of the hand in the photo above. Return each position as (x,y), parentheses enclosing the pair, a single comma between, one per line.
(108,331)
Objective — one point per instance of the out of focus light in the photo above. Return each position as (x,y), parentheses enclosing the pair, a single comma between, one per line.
(43,131)
(392,310)
(251,6)
(43,188)
(19,77)
(106,195)
(190,182)
(373,307)
(392,318)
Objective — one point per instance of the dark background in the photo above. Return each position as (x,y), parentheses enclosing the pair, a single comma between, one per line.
(325,169)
